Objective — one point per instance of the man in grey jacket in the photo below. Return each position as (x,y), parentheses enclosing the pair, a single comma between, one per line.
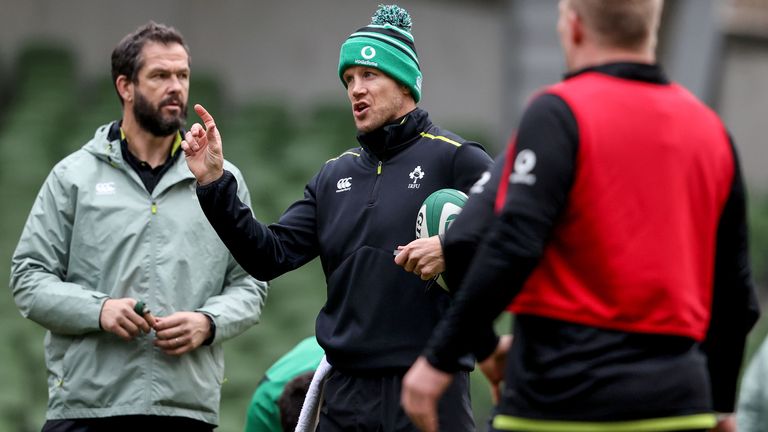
(115,229)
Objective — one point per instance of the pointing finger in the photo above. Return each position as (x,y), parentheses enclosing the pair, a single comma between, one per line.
(207,118)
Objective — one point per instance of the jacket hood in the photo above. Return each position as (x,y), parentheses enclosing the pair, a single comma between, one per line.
(105,146)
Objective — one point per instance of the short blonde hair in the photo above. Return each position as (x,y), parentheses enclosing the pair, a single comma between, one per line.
(629,24)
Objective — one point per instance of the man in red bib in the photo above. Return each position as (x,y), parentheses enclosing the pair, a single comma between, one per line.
(619,242)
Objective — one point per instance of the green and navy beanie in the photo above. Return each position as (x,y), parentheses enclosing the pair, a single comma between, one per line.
(385,44)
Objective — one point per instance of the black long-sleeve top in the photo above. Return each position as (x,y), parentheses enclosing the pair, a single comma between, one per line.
(558,369)
(356,210)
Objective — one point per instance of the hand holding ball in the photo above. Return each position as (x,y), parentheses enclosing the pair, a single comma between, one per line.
(436,215)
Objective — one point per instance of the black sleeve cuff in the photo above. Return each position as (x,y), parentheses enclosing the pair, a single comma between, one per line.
(441,364)
(221,182)
(485,344)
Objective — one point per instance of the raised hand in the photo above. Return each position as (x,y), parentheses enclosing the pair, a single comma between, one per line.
(203,150)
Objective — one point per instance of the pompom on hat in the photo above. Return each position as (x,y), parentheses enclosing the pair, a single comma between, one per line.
(385,44)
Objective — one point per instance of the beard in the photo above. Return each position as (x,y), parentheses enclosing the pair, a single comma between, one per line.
(151,118)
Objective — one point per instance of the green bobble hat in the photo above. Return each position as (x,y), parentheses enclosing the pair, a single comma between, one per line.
(385,44)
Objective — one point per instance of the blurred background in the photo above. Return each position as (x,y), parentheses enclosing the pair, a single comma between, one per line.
(267,70)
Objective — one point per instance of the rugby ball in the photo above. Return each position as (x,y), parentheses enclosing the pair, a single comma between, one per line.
(438,212)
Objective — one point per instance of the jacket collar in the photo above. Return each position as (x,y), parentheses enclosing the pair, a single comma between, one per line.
(106,145)
(116,134)
(393,137)
(651,73)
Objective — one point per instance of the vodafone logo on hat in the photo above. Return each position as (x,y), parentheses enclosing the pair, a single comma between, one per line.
(368,52)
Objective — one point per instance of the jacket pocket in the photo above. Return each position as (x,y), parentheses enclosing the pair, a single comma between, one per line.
(63,385)
(101,371)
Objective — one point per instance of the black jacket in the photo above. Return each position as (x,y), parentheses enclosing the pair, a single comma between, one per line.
(355,212)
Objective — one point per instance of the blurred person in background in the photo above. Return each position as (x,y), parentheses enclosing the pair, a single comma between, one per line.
(620,244)
(278,398)
(292,398)
(752,412)
(356,210)
(116,227)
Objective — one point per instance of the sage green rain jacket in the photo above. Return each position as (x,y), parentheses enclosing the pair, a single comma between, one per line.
(95,233)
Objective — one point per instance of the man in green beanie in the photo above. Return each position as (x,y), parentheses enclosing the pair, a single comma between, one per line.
(386,45)
(359,208)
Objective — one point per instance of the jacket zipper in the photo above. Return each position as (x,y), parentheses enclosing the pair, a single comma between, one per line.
(374,191)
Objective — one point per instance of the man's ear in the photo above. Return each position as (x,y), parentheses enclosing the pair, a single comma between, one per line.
(405,89)
(576,25)
(124,88)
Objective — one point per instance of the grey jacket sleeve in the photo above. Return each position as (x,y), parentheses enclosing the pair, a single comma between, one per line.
(239,304)
(39,265)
